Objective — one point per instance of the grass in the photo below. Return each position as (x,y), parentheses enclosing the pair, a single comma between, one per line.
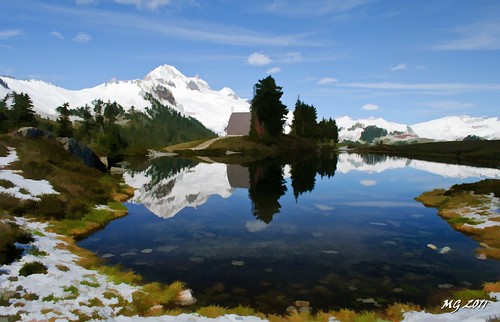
(474,153)
(248,150)
(451,202)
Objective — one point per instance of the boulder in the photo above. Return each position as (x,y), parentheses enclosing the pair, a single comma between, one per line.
(82,152)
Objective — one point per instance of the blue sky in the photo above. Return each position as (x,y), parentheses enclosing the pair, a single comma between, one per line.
(405,61)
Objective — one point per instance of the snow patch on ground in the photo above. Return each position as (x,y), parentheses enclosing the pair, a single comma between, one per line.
(23,188)
(484,213)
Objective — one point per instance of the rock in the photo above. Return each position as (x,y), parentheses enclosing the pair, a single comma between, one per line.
(197,259)
(82,152)
(432,246)
(156,309)
(305,309)
(291,310)
(300,303)
(352,288)
(445,286)
(397,290)
(445,250)
(269,270)
(186,298)
(237,263)
(33,132)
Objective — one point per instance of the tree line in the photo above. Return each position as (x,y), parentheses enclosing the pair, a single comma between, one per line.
(106,126)
(268,116)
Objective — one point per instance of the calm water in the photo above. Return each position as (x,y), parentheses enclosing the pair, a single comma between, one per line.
(338,232)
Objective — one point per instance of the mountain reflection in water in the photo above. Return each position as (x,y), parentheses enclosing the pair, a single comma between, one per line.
(338,231)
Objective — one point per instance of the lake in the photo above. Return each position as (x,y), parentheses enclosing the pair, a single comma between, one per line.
(339,231)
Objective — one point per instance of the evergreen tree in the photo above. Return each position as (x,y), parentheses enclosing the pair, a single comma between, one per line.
(4,115)
(65,128)
(268,113)
(22,112)
(327,130)
(372,132)
(304,120)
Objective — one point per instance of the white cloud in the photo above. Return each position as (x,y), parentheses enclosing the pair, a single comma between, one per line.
(323,207)
(148,4)
(368,183)
(426,86)
(292,57)
(327,80)
(478,36)
(255,226)
(9,33)
(449,105)
(56,34)
(203,31)
(319,7)
(273,70)
(398,67)
(258,59)
(82,38)
(369,107)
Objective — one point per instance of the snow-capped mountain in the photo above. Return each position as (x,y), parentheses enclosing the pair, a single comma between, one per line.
(350,130)
(450,128)
(192,96)
(457,127)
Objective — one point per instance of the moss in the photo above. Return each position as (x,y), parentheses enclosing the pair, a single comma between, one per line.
(90,284)
(72,290)
(37,252)
(51,298)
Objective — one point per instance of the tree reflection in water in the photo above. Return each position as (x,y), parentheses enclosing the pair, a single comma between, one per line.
(267,184)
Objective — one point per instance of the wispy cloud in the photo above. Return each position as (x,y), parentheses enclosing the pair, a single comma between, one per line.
(292,57)
(370,107)
(478,36)
(368,183)
(56,34)
(85,1)
(273,70)
(397,67)
(453,87)
(9,33)
(258,59)
(185,29)
(320,7)
(82,38)
(327,80)
(447,105)
(323,207)
(145,4)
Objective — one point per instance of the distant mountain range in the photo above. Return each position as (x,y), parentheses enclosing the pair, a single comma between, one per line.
(192,96)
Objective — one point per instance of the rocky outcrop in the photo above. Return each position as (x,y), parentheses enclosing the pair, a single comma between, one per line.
(80,150)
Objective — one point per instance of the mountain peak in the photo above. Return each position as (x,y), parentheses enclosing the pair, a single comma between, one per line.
(163,73)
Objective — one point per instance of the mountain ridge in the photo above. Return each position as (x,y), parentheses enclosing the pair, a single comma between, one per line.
(192,96)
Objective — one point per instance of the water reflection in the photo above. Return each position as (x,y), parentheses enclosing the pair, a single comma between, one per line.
(335,231)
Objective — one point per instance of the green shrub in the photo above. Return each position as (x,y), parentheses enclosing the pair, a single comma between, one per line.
(50,206)
(6,184)
(11,233)
(33,268)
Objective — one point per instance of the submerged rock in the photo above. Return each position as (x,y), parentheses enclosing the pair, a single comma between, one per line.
(445,250)
(237,263)
(432,246)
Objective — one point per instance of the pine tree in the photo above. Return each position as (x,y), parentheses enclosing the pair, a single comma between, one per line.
(65,128)
(268,113)
(304,120)
(22,112)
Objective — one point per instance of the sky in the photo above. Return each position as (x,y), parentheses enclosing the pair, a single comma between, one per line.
(404,61)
